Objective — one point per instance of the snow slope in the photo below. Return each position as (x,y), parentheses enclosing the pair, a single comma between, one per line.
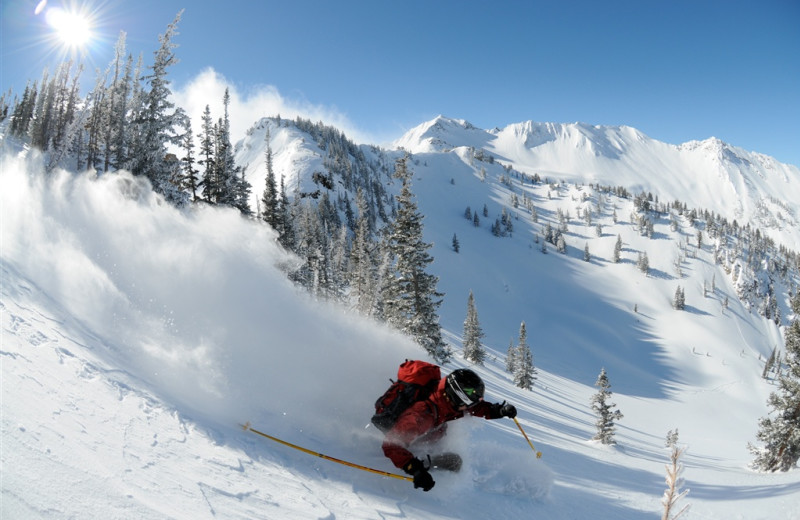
(135,338)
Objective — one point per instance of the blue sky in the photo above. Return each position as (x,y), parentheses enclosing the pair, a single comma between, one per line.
(677,70)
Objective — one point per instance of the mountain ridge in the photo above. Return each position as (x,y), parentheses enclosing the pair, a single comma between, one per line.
(742,186)
(709,174)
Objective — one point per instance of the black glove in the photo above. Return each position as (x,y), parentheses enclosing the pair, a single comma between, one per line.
(422,479)
(507,410)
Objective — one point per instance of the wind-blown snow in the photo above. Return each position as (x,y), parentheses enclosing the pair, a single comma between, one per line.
(136,336)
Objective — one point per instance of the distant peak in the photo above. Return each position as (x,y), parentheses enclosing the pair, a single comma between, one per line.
(440,133)
(443,122)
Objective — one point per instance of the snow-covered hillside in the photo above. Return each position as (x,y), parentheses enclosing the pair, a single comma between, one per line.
(746,186)
(136,337)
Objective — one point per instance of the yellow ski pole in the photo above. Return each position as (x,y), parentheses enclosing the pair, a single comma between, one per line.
(247,427)
(538,453)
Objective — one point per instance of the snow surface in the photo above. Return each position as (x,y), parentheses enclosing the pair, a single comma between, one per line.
(136,337)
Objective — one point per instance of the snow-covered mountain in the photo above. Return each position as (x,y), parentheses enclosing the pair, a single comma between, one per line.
(136,336)
(746,186)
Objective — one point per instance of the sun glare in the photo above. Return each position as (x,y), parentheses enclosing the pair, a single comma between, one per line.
(72,29)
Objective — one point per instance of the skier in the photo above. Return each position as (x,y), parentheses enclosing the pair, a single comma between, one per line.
(425,422)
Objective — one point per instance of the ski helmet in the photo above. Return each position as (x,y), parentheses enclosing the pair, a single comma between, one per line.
(464,387)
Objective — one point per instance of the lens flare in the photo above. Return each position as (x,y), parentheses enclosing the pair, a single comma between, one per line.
(72,28)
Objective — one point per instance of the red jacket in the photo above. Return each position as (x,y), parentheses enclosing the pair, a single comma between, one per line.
(425,421)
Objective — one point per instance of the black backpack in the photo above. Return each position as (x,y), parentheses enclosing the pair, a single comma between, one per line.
(415,382)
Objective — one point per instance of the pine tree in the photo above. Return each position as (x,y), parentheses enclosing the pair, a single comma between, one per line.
(22,114)
(473,334)
(243,191)
(206,136)
(561,244)
(524,370)
(643,263)
(769,364)
(158,120)
(232,187)
(310,248)
(95,103)
(136,109)
(409,296)
(270,198)
(115,109)
(286,232)
(549,235)
(606,416)
(189,172)
(363,277)
(587,256)
(511,358)
(456,245)
(65,122)
(38,130)
(780,432)
(124,93)
(618,249)
(4,105)
(679,301)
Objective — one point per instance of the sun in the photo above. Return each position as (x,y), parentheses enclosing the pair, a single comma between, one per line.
(72,28)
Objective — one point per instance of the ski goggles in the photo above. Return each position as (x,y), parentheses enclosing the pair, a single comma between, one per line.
(467,396)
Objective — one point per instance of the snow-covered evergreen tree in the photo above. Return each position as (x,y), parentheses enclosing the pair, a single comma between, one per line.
(116,106)
(54,112)
(158,120)
(679,300)
(643,263)
(409,296)
(524,370)
(95,105)
(473,334)
(233,188)
(190,179)
(779,432)
(39,126)
(243,191)
(207,157)
(606,415)
(617,249)
(561,244)
(363,277)
(65,108)
(286,232)
(770,363)
(270,198)
(22,114)
(511,358)
(124,94)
